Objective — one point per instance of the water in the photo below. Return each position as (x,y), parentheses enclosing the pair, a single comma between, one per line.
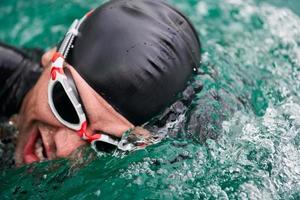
(239,138)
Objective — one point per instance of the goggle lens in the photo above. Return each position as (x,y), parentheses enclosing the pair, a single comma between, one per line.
(101,146)
(63,104)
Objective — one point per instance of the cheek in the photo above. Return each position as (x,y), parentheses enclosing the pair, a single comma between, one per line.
(45,115)
(42,108)
(66,142)
(35,105)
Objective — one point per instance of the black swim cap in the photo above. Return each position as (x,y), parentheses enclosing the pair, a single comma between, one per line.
(137,54)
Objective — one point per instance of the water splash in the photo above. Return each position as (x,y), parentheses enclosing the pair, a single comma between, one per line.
(238,139)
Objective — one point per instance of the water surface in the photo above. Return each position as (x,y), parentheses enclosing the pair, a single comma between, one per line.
(238,139)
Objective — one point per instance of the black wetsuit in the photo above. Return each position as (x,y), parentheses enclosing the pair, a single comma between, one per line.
(19,71)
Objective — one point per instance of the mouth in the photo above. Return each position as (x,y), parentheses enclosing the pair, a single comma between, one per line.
(35,150)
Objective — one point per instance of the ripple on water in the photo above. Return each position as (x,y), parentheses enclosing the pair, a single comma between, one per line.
(239,138)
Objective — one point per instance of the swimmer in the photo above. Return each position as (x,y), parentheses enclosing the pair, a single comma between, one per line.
(128,60)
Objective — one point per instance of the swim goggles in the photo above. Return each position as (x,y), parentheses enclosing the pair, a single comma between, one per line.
(65,103)
(63,97)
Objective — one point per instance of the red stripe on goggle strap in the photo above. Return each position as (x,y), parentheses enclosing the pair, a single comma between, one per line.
(54,70)
(82,132)
(55,56)
(89,13)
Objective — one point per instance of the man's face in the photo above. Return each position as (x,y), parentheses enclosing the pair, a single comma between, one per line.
(40,129)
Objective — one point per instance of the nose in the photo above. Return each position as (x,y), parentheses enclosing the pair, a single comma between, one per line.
(66,141)
(107,124)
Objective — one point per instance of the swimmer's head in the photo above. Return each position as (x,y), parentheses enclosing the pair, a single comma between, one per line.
(137,54)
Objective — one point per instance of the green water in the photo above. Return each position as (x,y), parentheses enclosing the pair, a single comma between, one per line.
(240,137)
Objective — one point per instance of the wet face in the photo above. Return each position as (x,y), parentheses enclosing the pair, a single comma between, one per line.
(42,136)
